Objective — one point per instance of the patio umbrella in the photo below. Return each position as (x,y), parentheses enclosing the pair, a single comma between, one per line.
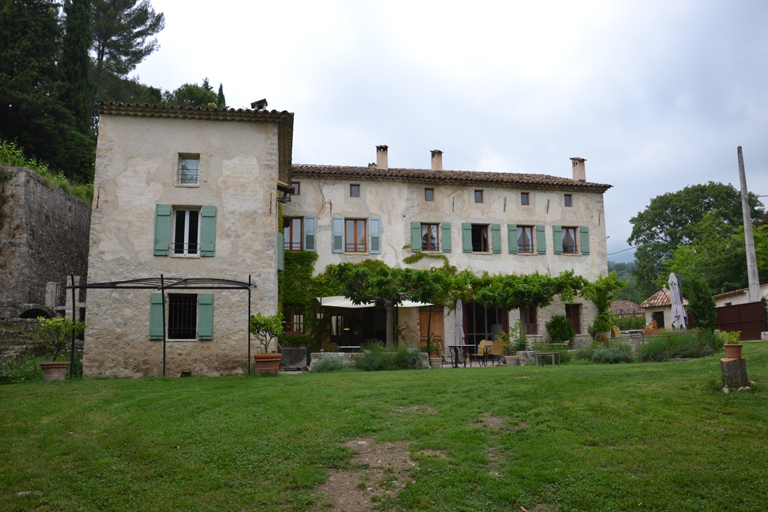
(458,335)
(678,310)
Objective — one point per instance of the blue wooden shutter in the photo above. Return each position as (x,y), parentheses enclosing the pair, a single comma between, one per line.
(156,317)
(280,251)
(310,234)
(496,238)
(415,236)
(446,232)
(162,229)
(557,239)
(584,240)
(205,316)
(208,231)
(541,240)
(374,236)
(337,228)
(466,237)
(512,238)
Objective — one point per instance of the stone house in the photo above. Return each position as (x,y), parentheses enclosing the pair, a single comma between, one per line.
(184,193)
(658,307)
(485,221)
(735,297)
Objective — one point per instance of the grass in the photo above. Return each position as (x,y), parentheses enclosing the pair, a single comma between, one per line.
(594,437)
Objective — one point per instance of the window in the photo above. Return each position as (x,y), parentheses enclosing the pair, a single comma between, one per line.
(429,241)
(567,200)
(524,199)
(296,188)
(525,238)
(354,235)
(528,318)
(658,317)
(292,233)
(189,170)
(569,240)
(293,319)
(182,316)
(354,191)
(573,311)
(479,238)
(429,194)
(478,196)
(483,323)
(186,232)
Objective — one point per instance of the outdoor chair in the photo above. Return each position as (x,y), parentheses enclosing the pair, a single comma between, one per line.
(497,351)
(616,331)
(440,353)
(333,347)
(482,349)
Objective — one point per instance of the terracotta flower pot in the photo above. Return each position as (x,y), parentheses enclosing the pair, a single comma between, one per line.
(267,363)
(652,331)
(733,350)
(435,362)
(54,370)
(433,353)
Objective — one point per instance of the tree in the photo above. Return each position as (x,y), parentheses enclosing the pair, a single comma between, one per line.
(602,292)
(32,112)
(669,219)
(374,282)
(535,290)
(191,95)
(75,63)
(701,304)
(221,102)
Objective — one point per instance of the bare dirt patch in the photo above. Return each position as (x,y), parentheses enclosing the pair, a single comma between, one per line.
(378,472)
(416,409)
(492,422)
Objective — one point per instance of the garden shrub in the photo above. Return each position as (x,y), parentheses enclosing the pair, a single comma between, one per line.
(663,348)
(585,353)
(25,368)
(329,365)
(621,353)
(375,357)
(560,329)
(565,354)
(630,322)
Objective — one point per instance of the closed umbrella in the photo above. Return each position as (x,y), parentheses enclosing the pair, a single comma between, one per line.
(458,335)
(678,310)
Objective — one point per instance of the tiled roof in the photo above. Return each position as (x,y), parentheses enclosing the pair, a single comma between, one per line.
(498,179)
(626,308)
(660,299)
(284,120)
(736,292)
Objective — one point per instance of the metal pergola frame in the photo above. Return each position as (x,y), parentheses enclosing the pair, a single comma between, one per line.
(163,284)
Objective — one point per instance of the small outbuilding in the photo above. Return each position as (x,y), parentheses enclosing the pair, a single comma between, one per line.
(658,307)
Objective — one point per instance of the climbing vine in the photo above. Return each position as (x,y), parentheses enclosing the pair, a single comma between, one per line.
(418,256)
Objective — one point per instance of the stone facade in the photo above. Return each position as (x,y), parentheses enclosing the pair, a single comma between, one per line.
(43,239)
(239,154)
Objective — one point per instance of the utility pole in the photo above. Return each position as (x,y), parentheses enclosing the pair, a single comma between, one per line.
(749,239)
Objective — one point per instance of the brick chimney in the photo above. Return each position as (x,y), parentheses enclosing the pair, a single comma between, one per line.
(437,160)
(382,158)
(579,171)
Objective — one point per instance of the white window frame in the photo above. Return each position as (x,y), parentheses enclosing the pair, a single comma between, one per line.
(185,253)
(182,158)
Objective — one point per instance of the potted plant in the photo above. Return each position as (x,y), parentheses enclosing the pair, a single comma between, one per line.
(512,346)
(435,361)
(56,333)
(733,347)
(267,329)
(652,328)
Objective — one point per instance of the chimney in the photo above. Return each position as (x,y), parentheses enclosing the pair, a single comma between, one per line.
(437,160)
(259,105)
(382,158)
(579,171)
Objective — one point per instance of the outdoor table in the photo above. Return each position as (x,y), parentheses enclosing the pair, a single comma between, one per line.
(349,347)
(455,350)
(548,354)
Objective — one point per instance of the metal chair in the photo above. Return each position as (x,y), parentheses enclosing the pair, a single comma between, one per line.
(497,351)
(440,353)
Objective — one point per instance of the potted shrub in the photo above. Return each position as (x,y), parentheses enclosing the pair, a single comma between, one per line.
(435,361)
(733,347)
(652,328)
(56,334)
(267,329)
(515,344)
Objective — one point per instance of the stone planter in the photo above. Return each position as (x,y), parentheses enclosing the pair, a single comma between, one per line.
(267,364)
(512,360)
(54,371)
(435,362)
(732,350)
(294,358)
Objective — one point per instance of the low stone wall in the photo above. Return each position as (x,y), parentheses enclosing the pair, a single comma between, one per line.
(294,358)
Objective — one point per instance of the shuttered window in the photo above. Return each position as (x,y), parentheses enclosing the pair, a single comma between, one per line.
(496,238)
(584,239)
(310,234)
(156,317)
(446,234)
(374,239)
(162,229)
(415,236)
(280,251)
(557,239)
(337,228)
(512,238)
(541,240)
(208,231)
(466,237)
(205,316)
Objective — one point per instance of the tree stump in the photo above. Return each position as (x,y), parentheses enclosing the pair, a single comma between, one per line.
(734,372)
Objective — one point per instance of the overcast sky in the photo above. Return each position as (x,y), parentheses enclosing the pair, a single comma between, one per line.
(656,95)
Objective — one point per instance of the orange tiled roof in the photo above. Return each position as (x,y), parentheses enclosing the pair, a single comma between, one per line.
(736,292)
(626,308)
(660,299)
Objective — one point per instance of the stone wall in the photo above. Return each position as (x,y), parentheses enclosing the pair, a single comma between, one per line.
(43,238)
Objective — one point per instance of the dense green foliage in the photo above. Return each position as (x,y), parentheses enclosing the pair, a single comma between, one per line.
(76,63)
(329,365)
(621,353)
(57,334)
(267,329)
(376,357)
(221,101)
(597,437)
(701,304)
(670,220)
(191,95)
(602,292)
(629,322)
(514,291)
(663,347)
(560,329)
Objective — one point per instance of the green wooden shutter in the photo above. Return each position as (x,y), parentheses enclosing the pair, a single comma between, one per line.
(541,240)
(374,236)
(415,236)
(446,232)
(584,240)
(208,231)
(557,239)
(162,229)
(466,237)
(337,228)
(496,238)
(205,316)
(280,251)
(310,234)
(512,238)
(156,317)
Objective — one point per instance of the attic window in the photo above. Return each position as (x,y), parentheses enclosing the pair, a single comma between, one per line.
(354,191)
(189,169)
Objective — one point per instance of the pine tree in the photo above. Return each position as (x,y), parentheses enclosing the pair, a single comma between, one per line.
(220,101)
(75,63)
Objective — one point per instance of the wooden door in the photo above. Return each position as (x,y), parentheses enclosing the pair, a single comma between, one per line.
(435,324)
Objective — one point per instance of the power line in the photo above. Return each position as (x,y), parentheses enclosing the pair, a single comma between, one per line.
(625,250)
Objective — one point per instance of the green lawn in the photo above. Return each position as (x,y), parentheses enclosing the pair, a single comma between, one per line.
(578,437)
